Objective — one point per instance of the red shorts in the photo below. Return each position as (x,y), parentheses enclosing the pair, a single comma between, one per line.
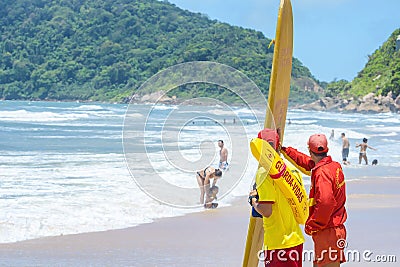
(329,245)
(286,257)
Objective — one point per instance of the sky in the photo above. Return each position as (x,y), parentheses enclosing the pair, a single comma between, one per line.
(333,38)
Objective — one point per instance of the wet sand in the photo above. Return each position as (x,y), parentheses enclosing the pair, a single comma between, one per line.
(215,237)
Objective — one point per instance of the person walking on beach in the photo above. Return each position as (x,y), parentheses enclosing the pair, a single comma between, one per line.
(283,239)
(345,148)
(363,151)
(203,179)
(223,156)
(327,200)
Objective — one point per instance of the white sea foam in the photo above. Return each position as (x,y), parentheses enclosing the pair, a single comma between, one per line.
(164,107)
(383,128)
(303,122)
(28,116)
(385,120)
(387,134)
(88,107)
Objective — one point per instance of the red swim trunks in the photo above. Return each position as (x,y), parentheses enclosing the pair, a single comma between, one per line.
(329,245)
(287,257)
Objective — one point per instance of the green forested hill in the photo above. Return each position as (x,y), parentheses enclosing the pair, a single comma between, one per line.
(105,49)
(380,75)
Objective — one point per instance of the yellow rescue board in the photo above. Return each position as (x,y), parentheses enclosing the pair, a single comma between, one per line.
(308,173)
(287,178)
(277,103)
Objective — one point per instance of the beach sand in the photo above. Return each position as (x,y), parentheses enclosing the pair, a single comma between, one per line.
(215,237)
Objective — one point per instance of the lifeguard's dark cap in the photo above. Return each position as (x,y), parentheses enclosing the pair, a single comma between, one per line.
(318,143)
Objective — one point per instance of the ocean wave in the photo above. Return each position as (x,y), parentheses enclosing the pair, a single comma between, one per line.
(86,137)
(387,134)
(88,107)
(302,122)
(247,111)
(385,120)
(164,107)
(384,129)
(221,112)
(44,116)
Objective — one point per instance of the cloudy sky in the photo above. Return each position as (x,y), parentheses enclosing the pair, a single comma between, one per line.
(333,38)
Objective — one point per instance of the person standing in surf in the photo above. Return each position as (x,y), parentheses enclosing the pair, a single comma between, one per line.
(332,135)
(283,239)
(327,199)
(203,179)
(345,148)
(223,156)
(363,151)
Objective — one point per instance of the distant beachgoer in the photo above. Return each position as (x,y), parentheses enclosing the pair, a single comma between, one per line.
(223,156)
(203,179)
(290,122)
(345,149)
(332,135)
(363,151)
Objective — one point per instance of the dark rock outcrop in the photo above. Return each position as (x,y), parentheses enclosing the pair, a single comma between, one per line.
(370,103)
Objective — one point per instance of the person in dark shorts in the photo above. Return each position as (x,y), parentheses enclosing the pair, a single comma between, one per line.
(345,148)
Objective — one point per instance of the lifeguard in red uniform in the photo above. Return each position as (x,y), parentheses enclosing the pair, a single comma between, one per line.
(327,201)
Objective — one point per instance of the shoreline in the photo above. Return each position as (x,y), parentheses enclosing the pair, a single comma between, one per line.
(153,243)
(211,237)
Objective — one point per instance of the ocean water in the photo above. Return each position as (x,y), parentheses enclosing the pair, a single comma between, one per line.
(69,168)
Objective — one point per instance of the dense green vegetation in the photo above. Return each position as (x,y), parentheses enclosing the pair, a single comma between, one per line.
(380,75)
(104,50)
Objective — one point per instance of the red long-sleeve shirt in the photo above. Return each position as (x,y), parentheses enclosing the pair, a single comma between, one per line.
(327,192)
